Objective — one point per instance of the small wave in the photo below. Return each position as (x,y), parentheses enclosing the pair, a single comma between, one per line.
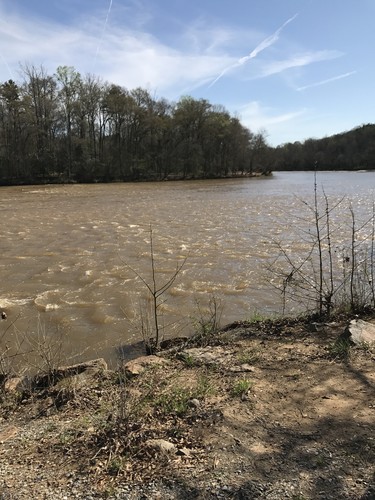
(178,291)
(241,286)
(63,268)
(7,303)
(78,303)
(101,318)
(48,301)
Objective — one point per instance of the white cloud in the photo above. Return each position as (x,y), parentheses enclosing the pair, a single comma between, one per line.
(256,117)
(120,55)
(298,60)
(138,59)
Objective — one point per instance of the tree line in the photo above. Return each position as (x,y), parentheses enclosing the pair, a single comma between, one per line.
(352,150)
(67,127)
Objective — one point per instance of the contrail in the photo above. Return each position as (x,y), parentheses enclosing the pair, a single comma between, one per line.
(103,31)
(329,80)
(267,42)
(108,14)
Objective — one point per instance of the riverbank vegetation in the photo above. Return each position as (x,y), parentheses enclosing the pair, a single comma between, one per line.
(350,150)
(65,127)
(71,128)
(334,270)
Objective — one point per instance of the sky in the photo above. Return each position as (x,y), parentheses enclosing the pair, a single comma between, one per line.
(292,69)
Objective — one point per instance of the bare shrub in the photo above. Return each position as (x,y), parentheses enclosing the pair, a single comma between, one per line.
(13,349)
(47,349)
(207,321)
(331,276)
(150,318)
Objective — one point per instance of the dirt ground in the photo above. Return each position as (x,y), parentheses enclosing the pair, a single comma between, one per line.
(271,410)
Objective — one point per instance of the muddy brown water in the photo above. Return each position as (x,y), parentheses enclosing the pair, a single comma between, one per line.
(65,252)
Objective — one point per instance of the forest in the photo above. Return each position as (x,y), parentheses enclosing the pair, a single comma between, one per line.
(352,150)
(71,128)
(66,127)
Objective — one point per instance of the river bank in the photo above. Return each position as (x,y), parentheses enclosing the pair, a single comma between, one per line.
(272,410)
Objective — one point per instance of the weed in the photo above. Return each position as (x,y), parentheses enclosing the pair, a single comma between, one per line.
(51,427)
(257,317)
(249,355)
(204,387)
(68,436)
(207,323)
(188,360)
(115,466)
(177,400)
(366,346)
(321,461)
(174,402)
(109,492)
(340,349)
(241,387)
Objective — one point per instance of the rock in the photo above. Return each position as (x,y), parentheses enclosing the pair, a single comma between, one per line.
(185,452)
(3,315)
(245,367)
(195,403)
(210,355)
(360,332)
(14,384)
(8,433)
(161,445)
(85,369)
(315,327)
(94,365)
(137,366)
(174,342)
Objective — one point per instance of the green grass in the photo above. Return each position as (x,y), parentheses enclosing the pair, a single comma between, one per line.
(257,317)
(248,356)
(241,387)
(176,399)
(340,349)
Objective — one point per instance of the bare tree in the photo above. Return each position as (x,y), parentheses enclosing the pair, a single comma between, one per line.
(318,280)
(152,330)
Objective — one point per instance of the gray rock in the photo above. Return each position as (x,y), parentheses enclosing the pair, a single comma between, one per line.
(8,433)
(85,370)
(245,367)
(361,332)
(161,445)
(210,355)
(14,384)
(137,366)
(195,403)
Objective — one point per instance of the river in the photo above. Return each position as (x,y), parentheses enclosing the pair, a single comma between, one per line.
(67,253)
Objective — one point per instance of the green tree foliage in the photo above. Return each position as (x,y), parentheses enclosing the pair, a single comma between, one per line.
(72,128)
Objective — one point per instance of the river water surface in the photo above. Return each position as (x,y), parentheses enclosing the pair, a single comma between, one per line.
(66,251)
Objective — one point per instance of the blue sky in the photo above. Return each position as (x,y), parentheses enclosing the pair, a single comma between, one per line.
(294,68)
